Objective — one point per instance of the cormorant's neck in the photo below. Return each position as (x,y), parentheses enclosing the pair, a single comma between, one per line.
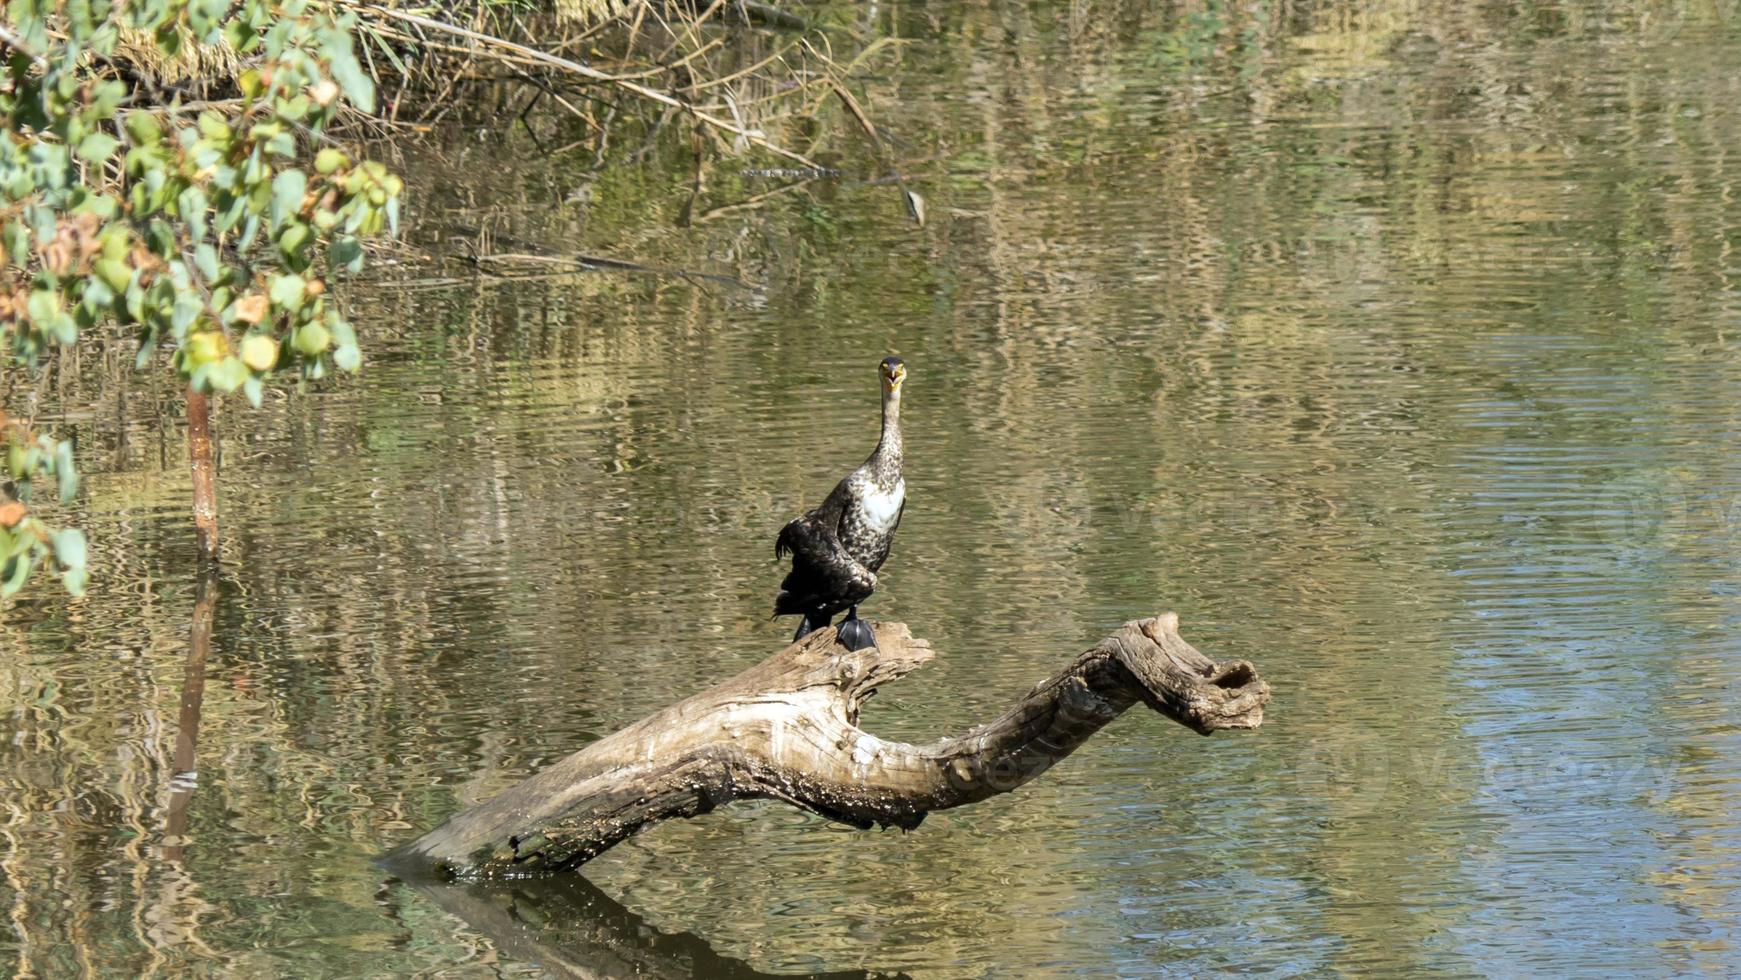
(887,458)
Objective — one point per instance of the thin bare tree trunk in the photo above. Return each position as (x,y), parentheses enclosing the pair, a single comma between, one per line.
(787,729)
(205,478)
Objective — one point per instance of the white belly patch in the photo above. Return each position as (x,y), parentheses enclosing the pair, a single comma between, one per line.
(881,508)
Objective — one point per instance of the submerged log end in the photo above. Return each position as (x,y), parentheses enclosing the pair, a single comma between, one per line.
(1177,680)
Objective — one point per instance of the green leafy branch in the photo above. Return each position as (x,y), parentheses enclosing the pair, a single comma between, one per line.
(25,541)
(202,233)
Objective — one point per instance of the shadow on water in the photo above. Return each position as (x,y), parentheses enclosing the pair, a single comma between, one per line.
(570,928)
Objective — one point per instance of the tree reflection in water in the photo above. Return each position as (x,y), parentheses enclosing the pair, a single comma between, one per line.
(185,775)
(569,927)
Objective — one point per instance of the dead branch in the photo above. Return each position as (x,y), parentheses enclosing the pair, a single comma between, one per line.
(787,729)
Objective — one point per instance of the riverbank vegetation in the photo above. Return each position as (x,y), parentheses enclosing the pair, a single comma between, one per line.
(188,177)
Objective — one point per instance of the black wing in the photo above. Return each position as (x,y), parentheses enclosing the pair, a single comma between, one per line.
(824,577)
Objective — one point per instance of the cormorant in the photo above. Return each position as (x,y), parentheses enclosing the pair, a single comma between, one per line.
(837,548)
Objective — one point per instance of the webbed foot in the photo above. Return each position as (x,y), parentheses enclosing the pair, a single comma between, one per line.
(855,634)
(807,626)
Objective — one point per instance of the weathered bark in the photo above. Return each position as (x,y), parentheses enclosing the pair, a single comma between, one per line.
(787,729)
(205,479)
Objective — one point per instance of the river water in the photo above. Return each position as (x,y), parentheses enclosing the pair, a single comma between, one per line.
(1392,344)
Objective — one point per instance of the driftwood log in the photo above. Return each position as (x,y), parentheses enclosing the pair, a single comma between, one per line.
(787,729)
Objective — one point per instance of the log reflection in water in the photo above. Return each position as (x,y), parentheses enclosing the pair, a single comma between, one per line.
(570,928)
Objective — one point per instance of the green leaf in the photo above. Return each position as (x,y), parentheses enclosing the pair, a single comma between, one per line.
(191,204)
(42,222)
(102,205)
(74,579)
(19,541)
(205,259)
(65,472)
(287,291)
(294,108)
(347,253)
(347,357)
(238,33)
(69,548)
(103,41)
(97,295)
(213,126)
(358,87)
(135,295)
(231,212)
(228,374)
(114,274)
(295,238)
(187,309)
(254,171)
(43,305)
(17,242)
(162,239)
(311,340)
(143,127)
(14,573)
(97,147)
(63,329)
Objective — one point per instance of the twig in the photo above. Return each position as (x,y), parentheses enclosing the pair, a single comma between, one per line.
(17,43)
(603,263)
(772,16)
(652,139)
(915,203)
(663,69)
(734,76)
(544,89)
(688,33)
(751,203)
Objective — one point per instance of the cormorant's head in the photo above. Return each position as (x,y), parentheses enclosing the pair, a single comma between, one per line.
(894,372)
